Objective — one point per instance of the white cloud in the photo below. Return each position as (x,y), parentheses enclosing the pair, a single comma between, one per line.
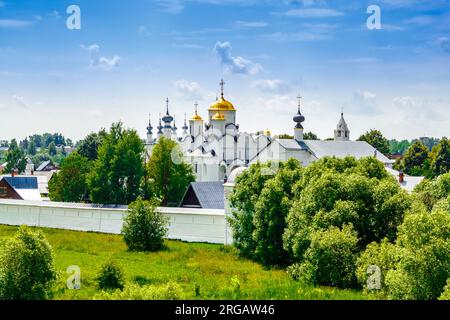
(19,101)
(252,24)
(271,86)
(99,62)
(191,91)
(236,65)
(13,23)
(364,102)
(314,13)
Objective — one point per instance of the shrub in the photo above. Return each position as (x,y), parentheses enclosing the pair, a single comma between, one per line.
(330,260)
(424,267)
(170,291)
(144,227)
(110,277)
(446,294)
(384,256)
(26,267)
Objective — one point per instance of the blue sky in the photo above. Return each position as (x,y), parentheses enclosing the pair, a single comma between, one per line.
(130,55)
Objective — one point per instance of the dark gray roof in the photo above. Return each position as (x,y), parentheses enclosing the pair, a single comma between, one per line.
(22,182)
(43,165)
(209,194)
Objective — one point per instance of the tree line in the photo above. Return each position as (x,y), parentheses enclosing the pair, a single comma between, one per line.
(346,223)
(109,167)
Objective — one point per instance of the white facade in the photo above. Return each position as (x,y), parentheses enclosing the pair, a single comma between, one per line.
(216,146)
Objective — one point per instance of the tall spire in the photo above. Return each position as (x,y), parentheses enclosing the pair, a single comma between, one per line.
(167,106)
(222,84)
(196,107)
(299,100)
(149,128)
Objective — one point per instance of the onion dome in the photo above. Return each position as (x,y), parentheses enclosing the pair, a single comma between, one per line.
(196,116)
(185,127)
(174,128)
(160,127)
(299,118)
(267,133)
(149,128)
(222,104)
(218,117)
(167,118)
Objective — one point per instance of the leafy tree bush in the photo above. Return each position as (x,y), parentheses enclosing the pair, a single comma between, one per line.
(168,176)
(446,294)
(331,258)
(88,147)
(26,267)
(110,277)
(170,291)
(376,139)
(440,158)
(424,266)
(416,160)
(15,158)
(117,172)
(343,191)
(249,185)
(385,256)
(69,184)
(430,192)
(144,227)
(270,214)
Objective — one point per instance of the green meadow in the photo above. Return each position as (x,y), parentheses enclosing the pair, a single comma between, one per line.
(204,271)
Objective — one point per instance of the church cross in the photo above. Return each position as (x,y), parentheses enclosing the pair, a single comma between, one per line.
(222,84)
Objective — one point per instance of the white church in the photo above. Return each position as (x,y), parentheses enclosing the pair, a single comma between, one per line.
(216,147)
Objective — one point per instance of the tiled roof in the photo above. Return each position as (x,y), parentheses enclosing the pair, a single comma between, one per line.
(209,194)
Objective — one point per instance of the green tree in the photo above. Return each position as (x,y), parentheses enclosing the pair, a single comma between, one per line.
(15,158)
(69,184)
(26,267)
(31,148)
(144,226)
(440,158)
(310,136)
(424,267)
(331,258)
(376,139)
(168,175)
(110,277)
(52,149)
(88,147)
(116,174)
(416,161)
(271,211)
(248,187)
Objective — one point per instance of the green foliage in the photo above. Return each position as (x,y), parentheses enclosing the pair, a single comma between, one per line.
(271,210)
(430,192)
(446,294)
(385,256)
(330,260)
(440,158)
(15,158)
(336,192)
(376,139)
(117,172)
(415,161)
(31,150)
(144,227)
(168,176)
(398,147)
(110,277)
(170,291)
(69,184)
(88,147)
(26,267)
(52,149)
(424,267)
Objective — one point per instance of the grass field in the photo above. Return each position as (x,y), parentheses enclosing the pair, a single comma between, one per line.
(204,271)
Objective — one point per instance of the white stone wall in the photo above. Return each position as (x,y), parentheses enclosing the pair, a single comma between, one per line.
(192,225)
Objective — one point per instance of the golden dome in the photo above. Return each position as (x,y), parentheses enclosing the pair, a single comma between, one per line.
(267,133)
(218,116)
(196,117)
(222,105)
